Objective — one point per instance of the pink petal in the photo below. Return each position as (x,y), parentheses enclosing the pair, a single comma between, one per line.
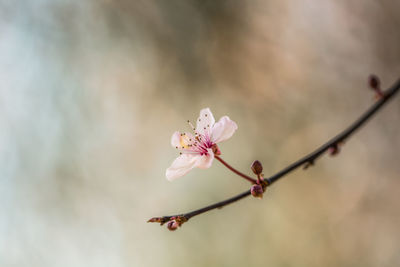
(205,121)
(223,130)
(175,139)
(205,161)
(181,165)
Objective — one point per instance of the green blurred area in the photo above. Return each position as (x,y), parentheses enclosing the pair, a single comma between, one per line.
(91,92)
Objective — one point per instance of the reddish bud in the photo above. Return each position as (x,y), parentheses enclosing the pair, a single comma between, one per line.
(334,150)
(374,82)
(172,225)
(257,191)
(155,219)
(257,167)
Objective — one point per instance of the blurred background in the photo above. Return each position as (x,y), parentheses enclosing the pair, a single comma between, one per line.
(91,92)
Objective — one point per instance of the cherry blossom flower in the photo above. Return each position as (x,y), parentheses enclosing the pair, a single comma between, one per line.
(198,149)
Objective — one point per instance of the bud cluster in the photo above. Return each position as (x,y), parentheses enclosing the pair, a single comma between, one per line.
(172,222)
(257,190)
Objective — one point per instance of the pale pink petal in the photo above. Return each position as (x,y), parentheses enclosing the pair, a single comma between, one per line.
(182,141)
(205,161)
(223,130)
(175,139)
(205,122)
(181,165)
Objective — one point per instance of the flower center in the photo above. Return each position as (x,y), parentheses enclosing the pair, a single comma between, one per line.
(199,144)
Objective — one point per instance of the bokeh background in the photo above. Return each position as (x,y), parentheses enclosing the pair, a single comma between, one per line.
(91,91)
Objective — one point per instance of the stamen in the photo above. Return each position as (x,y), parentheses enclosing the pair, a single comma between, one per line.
(191,125)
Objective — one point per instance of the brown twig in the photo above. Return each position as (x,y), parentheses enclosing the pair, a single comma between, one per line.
(306,161)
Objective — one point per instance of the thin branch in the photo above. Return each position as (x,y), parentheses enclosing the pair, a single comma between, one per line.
(248,178)
(305,161)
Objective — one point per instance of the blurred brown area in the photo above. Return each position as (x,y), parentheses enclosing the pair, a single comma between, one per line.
(91,92)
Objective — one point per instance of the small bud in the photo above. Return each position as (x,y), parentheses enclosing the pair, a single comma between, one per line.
(374,82)
(257,167)
(160,220)
(155,219)
(257,191)
(172,225)
(334,150)
(375,85)
(308,164)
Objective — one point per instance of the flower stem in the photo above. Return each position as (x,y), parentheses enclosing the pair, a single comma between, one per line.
(251,180)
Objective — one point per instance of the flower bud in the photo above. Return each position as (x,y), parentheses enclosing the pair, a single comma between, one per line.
(257,191)
(375,85)
(172,225)
(334,150)
(374,82)
(257,167)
